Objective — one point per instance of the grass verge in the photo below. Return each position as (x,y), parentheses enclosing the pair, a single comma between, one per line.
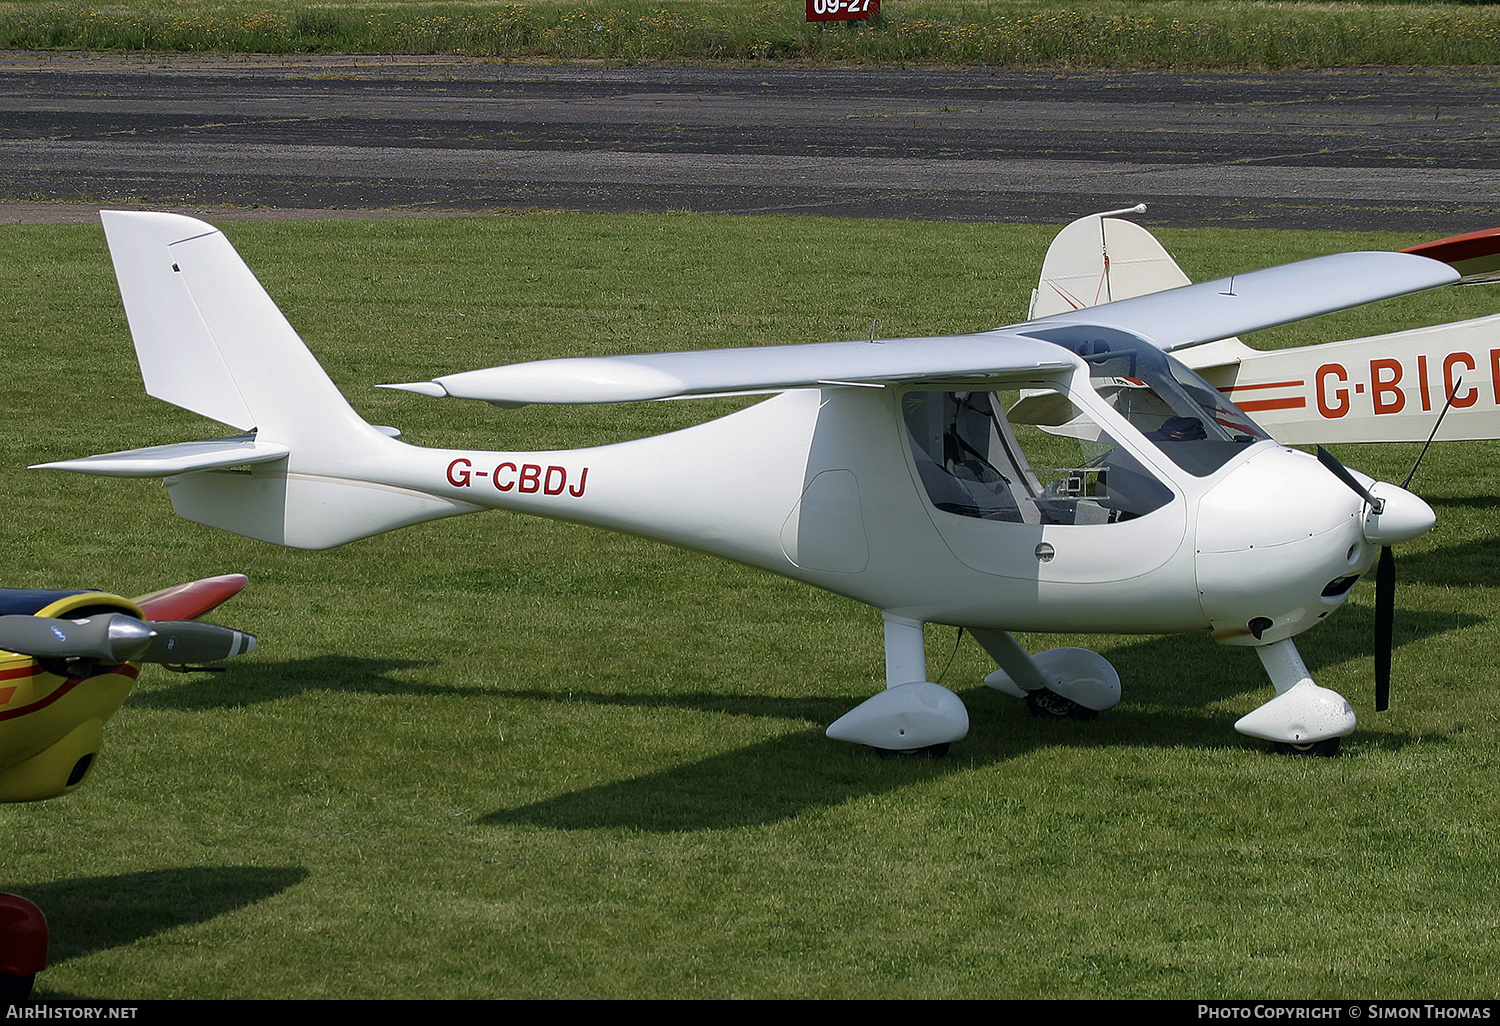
(1087,33)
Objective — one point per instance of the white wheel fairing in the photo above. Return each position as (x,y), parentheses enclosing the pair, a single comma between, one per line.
(1077,674)
(909,716)
(1302,715)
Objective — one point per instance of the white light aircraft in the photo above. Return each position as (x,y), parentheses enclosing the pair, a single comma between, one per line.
(1067,474)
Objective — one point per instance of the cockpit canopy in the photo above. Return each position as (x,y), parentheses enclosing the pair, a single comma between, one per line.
(1033,455)
(1183,415)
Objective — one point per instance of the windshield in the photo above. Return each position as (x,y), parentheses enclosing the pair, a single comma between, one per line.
(1180,413)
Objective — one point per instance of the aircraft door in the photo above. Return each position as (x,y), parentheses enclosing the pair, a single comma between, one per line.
(1024,483)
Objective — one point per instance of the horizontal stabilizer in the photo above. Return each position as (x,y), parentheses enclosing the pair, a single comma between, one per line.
(177,458)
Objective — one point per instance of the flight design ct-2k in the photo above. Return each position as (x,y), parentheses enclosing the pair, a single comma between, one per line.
(1067,474)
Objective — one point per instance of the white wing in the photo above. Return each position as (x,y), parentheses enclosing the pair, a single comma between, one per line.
(1212,310)
(1179,317)
(618,379)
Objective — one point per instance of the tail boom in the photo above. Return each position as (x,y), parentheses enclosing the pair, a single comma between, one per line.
(302,511)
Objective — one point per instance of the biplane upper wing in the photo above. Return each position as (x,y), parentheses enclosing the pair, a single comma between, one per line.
(191,600)
(1179,317)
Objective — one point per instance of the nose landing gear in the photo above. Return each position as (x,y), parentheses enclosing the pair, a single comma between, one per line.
(1303,718)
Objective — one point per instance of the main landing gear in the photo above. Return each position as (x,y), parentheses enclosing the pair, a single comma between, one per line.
(1060,683)
(914,716)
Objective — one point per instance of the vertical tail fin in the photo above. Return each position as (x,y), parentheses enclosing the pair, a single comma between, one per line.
(210,340)
(1101,258)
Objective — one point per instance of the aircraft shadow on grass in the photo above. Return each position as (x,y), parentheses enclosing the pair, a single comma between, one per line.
(713,793)
(1163,707)
(255,681)
(1466,565)
(92,914)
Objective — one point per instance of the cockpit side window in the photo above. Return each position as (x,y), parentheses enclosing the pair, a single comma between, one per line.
(1050,465)
(966,462)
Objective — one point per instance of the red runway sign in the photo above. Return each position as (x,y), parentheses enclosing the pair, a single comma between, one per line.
(842,10)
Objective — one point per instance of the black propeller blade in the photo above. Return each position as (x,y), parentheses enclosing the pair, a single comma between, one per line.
(1341,472)
(177,642)
(1385,582)
(1385,623)
(118,638)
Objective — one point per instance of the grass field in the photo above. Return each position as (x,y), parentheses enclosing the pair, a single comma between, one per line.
(1241,34)
(502,757)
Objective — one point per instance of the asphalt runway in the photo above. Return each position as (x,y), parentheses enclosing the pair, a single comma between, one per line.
(1403,149)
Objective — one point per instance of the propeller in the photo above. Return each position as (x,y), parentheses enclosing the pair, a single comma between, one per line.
(1329,460)
(119,638)
(179,642)
(1403,520)
(1385,583)
(1385,625)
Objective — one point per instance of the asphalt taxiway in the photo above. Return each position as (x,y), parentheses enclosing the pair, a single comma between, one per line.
(1404,149)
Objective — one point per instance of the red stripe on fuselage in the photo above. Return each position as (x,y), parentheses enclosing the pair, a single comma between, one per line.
(124,670)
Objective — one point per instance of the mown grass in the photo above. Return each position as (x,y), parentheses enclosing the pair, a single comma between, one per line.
(497,756)
(1087,33)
